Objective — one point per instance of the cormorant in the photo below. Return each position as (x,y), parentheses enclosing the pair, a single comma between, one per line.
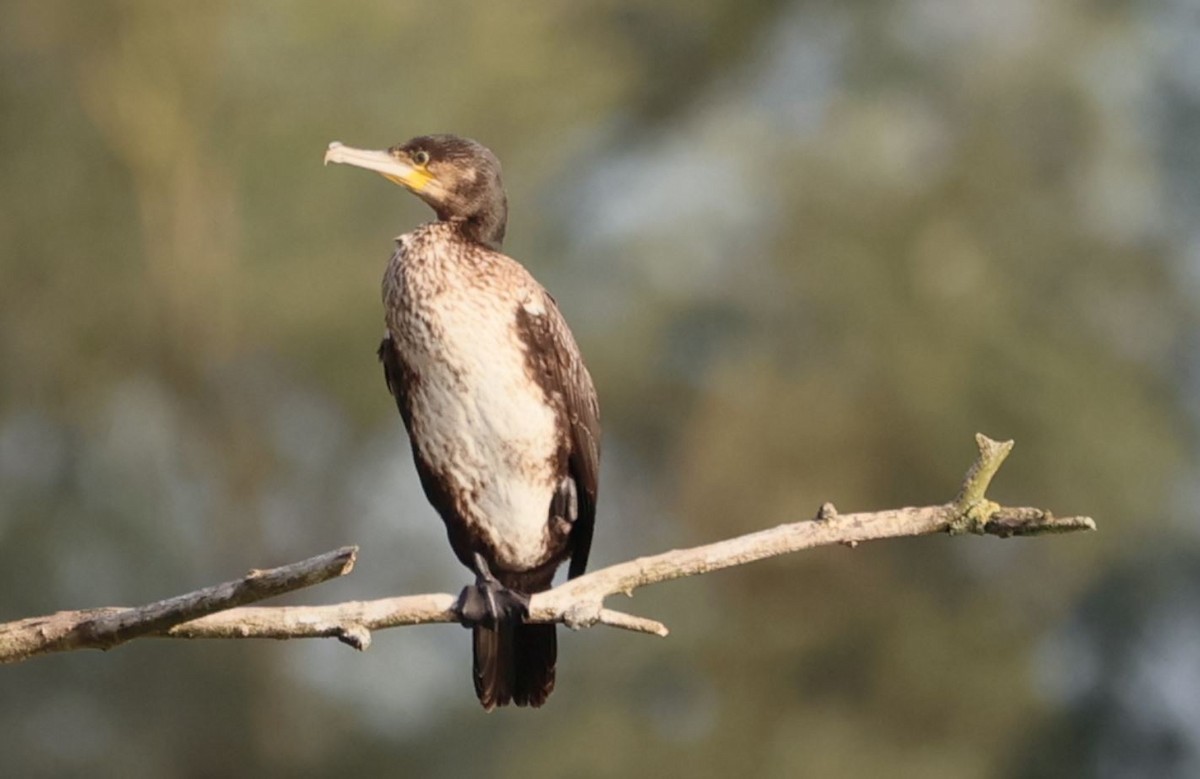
(499,407)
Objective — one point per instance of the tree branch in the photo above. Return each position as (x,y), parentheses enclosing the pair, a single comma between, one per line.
(578,603)
(105,628)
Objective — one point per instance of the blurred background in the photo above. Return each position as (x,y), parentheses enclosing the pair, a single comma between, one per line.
(808,248)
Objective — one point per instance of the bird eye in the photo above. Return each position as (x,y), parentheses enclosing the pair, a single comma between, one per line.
(420,157)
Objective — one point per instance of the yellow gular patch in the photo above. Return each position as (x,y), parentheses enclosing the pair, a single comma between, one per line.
(416,181)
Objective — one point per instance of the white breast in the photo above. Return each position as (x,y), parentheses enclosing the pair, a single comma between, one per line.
(482,421)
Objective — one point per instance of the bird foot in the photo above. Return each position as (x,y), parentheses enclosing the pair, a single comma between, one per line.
(491,603)
(487,602)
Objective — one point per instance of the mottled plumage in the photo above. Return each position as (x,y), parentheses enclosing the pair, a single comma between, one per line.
(500,410)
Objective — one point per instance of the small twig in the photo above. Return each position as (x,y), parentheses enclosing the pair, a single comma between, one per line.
(577,603)
(973,508)
(992,455)
(1009,522)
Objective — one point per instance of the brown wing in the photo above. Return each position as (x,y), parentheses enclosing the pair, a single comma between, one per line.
(398,379)
(559,368)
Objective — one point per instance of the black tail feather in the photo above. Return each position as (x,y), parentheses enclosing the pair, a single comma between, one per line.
(514,663)
(534,660)
(494,675)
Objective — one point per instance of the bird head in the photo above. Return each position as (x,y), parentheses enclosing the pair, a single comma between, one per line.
(458,178)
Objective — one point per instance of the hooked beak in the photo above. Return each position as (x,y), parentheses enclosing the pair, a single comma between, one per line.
(382,162)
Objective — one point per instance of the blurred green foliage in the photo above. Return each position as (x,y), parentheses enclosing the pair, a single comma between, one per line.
(809,249)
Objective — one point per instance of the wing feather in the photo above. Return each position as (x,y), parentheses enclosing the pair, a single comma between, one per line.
(558,366)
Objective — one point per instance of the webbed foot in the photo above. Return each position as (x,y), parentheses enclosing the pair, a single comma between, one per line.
(487,602)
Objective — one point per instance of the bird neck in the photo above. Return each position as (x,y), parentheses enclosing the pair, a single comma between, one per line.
(484,229)
(485,225)
(487,231)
